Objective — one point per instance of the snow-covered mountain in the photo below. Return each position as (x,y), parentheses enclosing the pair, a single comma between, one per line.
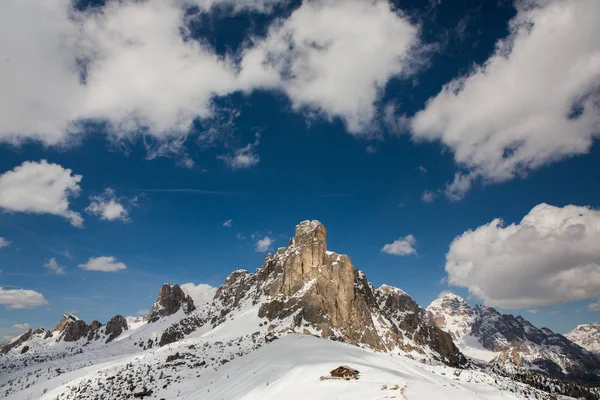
(267,334)
(587,336)
(503,339)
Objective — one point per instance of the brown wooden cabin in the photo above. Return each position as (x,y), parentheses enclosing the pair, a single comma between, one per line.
(345,372)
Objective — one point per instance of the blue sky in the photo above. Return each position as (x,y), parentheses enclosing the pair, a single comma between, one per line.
(181,154)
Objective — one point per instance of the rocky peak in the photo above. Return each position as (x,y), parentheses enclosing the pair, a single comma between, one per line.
(451,304)
(515,340)
(305,288)
(586,336)
(170,300)
(396,299)
(115,327)
(64,321)
(311,241)
(17,341)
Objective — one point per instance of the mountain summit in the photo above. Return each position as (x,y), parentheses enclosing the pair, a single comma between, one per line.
(307,289)
(587,336)
(483,332)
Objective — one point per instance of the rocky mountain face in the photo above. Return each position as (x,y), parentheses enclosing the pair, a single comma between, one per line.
(587,336)
(514,341)
(305,288)
(170,300)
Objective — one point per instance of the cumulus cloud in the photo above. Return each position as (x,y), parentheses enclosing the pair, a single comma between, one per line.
(4,242)
(228,223)
(134,65)
(401,247)
(323,45)
(533,102)
(263,244)
(103,263)
(594,306)
(551,257)
(244,157)
(108,207)
(236,6)
(201,293)
(21,298)
(428,196)
(52,266)
(40,188)
(21,326)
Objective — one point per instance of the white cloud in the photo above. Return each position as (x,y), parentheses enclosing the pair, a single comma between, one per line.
(108,207)
(534,101)
(143,73)
(594,306)
(263,244)
(551,257)
(142,312)
(140,71)
(371,149)
(422,169)
(201,293)
(533,311)
(52,266)
(244,157)
(428,196)
(103,263)
(236,6)
(401,247)
(21,298)
(228,223)
(4,242)
(40,188)
(324,45)
(21,326)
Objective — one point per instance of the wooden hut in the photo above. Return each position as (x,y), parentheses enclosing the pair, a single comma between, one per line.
(345,372)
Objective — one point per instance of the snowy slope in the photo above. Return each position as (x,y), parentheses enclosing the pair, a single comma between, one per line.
(289,367)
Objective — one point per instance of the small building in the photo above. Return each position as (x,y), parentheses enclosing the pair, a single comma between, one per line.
(345,372)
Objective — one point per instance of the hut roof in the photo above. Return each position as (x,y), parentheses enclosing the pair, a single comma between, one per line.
(346,368)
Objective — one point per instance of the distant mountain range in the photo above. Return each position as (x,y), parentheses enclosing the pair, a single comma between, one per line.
(503,339)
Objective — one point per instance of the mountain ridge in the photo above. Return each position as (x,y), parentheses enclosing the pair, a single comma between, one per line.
(514,342)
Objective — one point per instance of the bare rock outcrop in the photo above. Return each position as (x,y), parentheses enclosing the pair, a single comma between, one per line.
(18,341)
(321,292)
(72,330)
(115,327)
(170,300)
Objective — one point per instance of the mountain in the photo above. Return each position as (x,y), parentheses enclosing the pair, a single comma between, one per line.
(305,288)
(512,342)
(587,336)
(265,334)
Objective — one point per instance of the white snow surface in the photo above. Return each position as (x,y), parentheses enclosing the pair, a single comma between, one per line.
(289,367)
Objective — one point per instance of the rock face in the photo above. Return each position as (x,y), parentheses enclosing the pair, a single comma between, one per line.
(306,288)
(72,330)
(587,336)
(93,330)
(18,341)
(170,300)
(411,319)
(513,340)
(115,327)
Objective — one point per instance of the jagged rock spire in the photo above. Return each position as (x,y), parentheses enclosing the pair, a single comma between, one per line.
(170,300)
